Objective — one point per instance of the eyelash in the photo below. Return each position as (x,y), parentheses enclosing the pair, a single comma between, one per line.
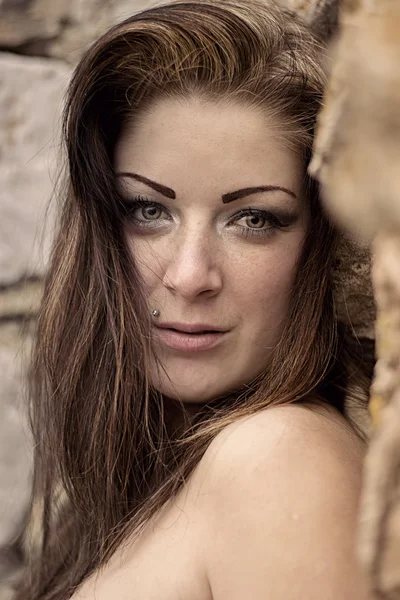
(274,222)
(130,206)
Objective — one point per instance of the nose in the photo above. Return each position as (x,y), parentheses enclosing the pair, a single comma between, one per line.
(192,269)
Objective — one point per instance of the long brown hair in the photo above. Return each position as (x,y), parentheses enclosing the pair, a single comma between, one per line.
(105,458)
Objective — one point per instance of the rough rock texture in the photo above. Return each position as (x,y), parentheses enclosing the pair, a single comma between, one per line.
(15,446)
(30,98)
(353,288)
(15,451)
(20,301)
(60,29)
(24,21)
(356,158)
(87,20)
(368,51)
(321,14)
(379,543)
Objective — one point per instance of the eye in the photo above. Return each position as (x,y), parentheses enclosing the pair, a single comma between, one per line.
(256,219)
(149,213)
(145,212)
(261,223)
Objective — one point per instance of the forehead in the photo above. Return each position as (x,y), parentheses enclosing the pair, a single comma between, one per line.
(192,142)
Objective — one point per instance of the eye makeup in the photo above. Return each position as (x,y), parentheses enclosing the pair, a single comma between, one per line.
(256,222)
(260,222)
(130,206)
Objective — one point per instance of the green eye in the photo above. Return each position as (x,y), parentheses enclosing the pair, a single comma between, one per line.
(144,212)
(149,213)
(255,221)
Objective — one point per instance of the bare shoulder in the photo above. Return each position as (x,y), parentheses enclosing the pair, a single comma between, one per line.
(280,490)
(310,434)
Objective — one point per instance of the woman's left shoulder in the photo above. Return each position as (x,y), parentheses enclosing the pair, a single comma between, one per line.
(280,495)
(311,436)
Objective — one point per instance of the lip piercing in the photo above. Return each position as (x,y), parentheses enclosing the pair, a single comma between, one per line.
(155,312)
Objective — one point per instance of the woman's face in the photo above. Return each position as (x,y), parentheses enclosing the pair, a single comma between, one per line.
(216,224)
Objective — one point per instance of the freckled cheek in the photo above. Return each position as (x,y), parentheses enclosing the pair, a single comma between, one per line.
(262,279)
(265,283)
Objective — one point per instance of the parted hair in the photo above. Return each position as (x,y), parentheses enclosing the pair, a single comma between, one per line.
(105,455)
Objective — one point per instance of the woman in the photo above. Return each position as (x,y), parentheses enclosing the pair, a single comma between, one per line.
(189,375)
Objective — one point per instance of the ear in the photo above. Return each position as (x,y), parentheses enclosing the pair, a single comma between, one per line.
(322,15)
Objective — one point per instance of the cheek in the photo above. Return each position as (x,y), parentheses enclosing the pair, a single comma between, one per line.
(261,277)
(265,281)
(147,257)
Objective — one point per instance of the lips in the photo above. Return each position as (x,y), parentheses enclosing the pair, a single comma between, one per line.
(197,337)
(191,327)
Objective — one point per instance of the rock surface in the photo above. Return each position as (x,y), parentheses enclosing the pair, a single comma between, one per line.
(88,19)
(30,100)
(60,29)
(15,450)
(353,288)
(24,21)
(30,97)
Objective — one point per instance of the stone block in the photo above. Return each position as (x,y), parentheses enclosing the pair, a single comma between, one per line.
(24,21)
(88,19)
(15,450)
(30,103)
(60,29)
(15,446)
(20,301)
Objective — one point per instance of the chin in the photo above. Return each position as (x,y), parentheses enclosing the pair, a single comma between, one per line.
(189,396)
(189,392)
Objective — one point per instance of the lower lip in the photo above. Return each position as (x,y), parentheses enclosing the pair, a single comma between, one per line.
(189,342)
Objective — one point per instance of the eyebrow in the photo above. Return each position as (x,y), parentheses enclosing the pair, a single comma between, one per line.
(226,198)
(158,187)
(254,190)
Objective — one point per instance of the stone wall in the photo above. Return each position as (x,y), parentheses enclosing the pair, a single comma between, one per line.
(40,42)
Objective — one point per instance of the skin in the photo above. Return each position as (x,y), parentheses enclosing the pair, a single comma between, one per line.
(270,512)
(202,262)
(271,509)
